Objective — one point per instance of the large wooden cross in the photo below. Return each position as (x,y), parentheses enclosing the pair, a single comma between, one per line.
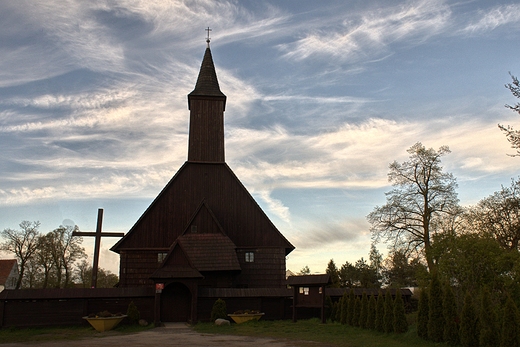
(98,234)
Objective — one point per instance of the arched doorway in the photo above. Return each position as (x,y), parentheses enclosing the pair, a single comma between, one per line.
(175,303)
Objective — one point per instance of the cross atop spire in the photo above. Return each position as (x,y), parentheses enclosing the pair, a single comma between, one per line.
(207,37)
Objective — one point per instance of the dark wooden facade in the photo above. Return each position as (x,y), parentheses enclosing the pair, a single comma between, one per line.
(204,230)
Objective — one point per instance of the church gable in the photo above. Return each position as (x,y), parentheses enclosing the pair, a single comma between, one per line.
(204,221)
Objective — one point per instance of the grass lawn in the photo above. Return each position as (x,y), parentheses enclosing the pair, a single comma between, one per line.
(13,335)
(331,334)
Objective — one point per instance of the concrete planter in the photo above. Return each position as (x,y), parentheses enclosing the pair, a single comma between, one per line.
(104,323)
(244,317)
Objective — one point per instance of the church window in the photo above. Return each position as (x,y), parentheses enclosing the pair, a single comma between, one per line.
(250,257)
(161,256)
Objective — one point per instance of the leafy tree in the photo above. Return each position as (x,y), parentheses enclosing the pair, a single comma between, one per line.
(449,306)
(423,314)
(106,279)
(400,322)
(399,271)
(422,193)
(487,321)
(371,316)
(435,314)
(513,136)
(363,315)
(510,325)
(333,271)
(473,261)
(305,270)
(499,216)
(388,317)
(23,244)
(469,336)
(380,312)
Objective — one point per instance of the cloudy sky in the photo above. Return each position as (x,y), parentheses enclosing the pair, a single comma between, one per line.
(322,96)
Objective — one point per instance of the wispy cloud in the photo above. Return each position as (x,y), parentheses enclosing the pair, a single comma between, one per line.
(367,35)
(490,19)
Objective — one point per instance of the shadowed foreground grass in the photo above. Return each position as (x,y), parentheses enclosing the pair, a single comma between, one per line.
(331,334)
(35,335)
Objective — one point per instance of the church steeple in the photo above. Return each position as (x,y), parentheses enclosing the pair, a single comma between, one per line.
(206,104)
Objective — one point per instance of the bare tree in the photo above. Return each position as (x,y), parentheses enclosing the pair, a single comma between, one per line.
(513,136)
(422,193)
(22,243)
(65,251)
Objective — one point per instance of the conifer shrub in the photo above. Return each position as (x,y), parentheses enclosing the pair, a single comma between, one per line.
(333,312)
(510,325)
(133,314)
(435,314)
(337,315)
(364,311)
(388,316)
(488,323)
(328,307)
(219,310)
(351,307)
(400,322)
(357,312)
(468,323)
(380,312)
(371,314)
(422,314)
(344,308)
(451,325)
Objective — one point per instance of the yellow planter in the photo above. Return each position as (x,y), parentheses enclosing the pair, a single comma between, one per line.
(104,323)
(244,317)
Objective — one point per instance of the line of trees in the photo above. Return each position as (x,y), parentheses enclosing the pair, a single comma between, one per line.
(52,260)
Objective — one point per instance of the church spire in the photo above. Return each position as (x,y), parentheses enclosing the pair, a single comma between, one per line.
(206,104)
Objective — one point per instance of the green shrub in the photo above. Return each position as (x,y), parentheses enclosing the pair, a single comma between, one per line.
(436,317)
(219,310)
(371,316)
(510,325)
(422,314)
(380,312)
(133,313)
(329,307)
(400,322)
(388,316)
(451,319)
(357,312)
(364,311)
(344,308)
(487,321)
(468,323)
(351,307)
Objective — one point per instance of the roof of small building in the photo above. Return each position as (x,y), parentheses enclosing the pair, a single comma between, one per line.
(308,280)
(6,266)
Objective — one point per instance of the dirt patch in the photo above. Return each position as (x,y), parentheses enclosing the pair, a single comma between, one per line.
(173,334)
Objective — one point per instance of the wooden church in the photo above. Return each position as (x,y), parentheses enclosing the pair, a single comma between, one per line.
(204,232)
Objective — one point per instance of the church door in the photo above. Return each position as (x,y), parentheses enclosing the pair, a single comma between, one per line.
(175,303)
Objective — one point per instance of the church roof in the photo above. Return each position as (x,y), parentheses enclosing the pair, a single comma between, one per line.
(210,252)
(207,83)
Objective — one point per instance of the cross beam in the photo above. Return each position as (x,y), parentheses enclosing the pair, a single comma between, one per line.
(98,234)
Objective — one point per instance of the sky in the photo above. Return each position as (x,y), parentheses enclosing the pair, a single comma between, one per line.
(321,98)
